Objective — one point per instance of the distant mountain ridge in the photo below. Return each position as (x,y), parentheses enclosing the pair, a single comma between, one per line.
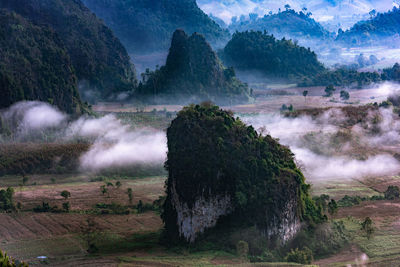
(374,31)
(289,24)
(147,25)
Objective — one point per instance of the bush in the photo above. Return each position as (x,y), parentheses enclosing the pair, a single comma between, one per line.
(392,192)
(6,261)
(242,249)
(6,199)
(303,256)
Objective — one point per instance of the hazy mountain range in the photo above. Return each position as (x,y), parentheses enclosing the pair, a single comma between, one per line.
(333,13)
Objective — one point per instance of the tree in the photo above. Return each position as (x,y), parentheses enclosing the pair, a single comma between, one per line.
(7,199)
(287,7)
(305,93)
(118,184)
(139,206)
(65,194)
(130,195)
(103,189)
(392,192)
(368,227)
(329,90)
(66,206)
(90,233)
(344,95)
(24,180)
(242,249)
(332,207)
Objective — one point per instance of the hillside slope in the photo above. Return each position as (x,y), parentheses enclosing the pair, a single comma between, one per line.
(193,72)
(260,51)
(99,59)
(378,30)
(34,65)
(289,24)
(147,25)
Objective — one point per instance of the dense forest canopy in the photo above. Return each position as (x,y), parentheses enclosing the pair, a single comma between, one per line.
(97,56)
(289,24)
(210,153)
(373,31)
(147,25)
(256,50)
(35,65)
(193,71)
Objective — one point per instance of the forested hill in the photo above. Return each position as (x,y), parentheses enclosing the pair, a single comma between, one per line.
(147,25)
(288,24)
(193,73)
(34,65)
(256,50)
(96,54)
(377,30)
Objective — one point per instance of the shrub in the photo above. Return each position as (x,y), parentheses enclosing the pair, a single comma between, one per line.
(242,249)
(303,256)
(392,192)
(6,199)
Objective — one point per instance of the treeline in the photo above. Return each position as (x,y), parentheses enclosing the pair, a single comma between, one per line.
(256,50)
(288,23)
(373,31)
(349,77)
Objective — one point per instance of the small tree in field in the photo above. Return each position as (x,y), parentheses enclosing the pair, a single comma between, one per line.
(66,206)
(392,192)
(367,227)
(130,194)
(329,90)
(103,189)
(305,93)
(344,95)
(65,194)
(118,184)
(332,207)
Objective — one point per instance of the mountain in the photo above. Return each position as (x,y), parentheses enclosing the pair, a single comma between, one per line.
(223,175)
(147,25)
(193,71)
(332,13)
(35,65)
(384,28)
(289,24)
(99,59)
(255,50)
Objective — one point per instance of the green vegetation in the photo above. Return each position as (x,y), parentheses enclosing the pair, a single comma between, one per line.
(342,77)
(329,90)
(34,65)
(40,158)
(392,74)
(192,72)
(367,227)
(97,57)
(377,30)
(146,26)
(288,23)
(258,51)
(6,261)
(304,256)
(210,153)
(7,200)
(393,192)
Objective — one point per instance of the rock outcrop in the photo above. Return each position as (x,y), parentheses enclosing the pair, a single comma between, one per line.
(223,174)
(193,72)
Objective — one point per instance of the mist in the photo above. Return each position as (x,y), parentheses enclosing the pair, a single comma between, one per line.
(114,143)
(310,139)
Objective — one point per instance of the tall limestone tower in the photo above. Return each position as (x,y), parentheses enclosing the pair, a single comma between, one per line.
(223,173)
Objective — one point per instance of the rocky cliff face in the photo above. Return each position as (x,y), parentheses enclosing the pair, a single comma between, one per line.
(223,175)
